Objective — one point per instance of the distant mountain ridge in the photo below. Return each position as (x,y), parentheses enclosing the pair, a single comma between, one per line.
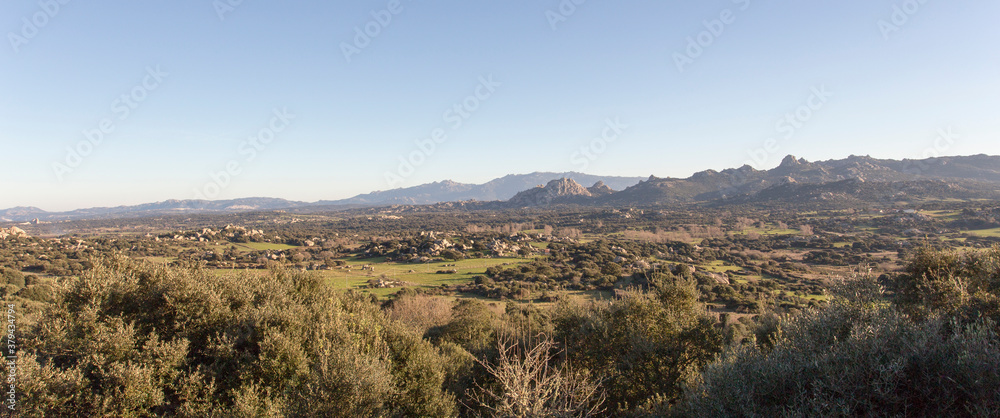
(502,188)
(852,179)
(856,191)
(443,191)
(167,207)
(745,181)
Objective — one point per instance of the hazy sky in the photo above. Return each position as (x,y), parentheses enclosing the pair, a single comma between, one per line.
(313,100)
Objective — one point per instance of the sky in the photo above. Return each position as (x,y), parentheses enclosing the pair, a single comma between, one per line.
(123,102)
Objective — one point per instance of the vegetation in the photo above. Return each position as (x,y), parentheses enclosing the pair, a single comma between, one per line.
(563,313)
(864,355)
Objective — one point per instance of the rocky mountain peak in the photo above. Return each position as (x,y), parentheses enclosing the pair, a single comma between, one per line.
(566,187)
(790,161)
(553,190)
(600,189)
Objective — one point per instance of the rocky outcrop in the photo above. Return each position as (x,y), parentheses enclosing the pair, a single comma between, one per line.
(600,189)
(556,191)
(13,232)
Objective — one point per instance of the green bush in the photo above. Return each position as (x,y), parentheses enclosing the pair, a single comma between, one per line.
(642,345)
(951,283)
(37,292)
(133,339)
(858,357)
(473,326)
(12,277)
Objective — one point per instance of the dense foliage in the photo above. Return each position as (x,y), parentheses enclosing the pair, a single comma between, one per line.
(929,351)
(717,313)
(131,339)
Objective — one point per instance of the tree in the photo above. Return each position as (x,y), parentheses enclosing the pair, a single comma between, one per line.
(859,356)
(136,339)
(526,384)
(643,344)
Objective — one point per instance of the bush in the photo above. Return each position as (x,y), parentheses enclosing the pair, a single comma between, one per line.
(525,384)
(473,326)
(966,284)
(11,276)
(642,345)
(134,339)
(38,292)
(858,357)
(420,312)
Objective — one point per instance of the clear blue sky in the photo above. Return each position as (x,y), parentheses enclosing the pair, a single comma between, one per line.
(562,76)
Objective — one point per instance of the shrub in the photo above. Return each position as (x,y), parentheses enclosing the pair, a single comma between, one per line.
(134,339)
(951,283)
(524,383)
(858,357)
(642,345)
(421,312)
(473,326)
(11,276)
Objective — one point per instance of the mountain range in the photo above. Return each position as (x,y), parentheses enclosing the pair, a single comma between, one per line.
(443,191)
(498,189)
(853,179)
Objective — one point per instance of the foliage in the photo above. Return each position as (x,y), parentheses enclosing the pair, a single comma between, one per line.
(641,345)
(951,283)
(132,339)
(861,356)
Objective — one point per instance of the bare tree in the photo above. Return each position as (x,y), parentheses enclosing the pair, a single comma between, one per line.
(528,386)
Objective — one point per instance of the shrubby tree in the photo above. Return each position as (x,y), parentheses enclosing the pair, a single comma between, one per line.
(864,356)
(644,343)
(951,283)
(525,382)
(134,339)
(473,326)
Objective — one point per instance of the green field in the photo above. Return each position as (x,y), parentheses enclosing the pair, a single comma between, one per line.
(995,232)
(160,260)
(413,275)
(263,246)
(949,215)
(767,231)
(719,266)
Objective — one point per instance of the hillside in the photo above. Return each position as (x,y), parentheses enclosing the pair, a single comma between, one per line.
(975,176)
